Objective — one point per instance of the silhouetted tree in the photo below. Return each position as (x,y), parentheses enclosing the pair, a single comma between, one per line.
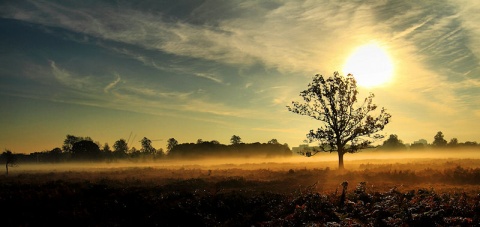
(86,150)
(470,143)
(235,140)
(106,148)
(69,141)
(120,148)
(393,143)
(134,153)
(55,155)
(160,153)
(453,142)
(107,152)
(273,141)
(9,158)
(346,129)
(147,147)
(171,143)
(438,140)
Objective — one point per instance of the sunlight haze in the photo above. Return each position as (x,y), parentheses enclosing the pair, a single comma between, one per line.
(211,69)
(370,65)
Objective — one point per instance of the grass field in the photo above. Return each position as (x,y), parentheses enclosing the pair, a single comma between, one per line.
(289,192)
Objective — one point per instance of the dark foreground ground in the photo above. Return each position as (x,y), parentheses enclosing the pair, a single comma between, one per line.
(243,197)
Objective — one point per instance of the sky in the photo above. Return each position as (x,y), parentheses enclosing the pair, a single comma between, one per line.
(192,69)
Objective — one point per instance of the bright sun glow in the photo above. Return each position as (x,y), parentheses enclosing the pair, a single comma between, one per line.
(370,65)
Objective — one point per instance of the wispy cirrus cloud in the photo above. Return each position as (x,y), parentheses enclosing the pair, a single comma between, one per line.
(66,78)
(111,85)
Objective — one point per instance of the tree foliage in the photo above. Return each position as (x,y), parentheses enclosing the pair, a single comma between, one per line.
(147,147)
(438,140)
(9,158)
(345,128)
(213,149)
(86,150)
(171,143)
(235,140)
(393,143)
(273,141)
(120,148)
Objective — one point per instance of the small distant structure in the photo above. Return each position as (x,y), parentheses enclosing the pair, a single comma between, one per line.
(421,141)
(419,144)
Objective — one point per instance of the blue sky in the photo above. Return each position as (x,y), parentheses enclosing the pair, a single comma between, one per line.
(211,69)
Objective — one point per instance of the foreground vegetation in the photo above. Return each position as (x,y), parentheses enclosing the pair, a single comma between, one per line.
(417,193)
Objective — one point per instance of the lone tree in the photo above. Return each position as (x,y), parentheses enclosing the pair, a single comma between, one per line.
(438,140)
(235,140)
(345,129)
(9,158)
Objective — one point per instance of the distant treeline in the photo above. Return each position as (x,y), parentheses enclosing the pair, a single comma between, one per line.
(212,149)
(394,143)
(85,149)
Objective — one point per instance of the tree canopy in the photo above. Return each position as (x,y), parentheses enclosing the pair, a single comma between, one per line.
(393,143)
(235,139)
(344,128)
(438,140)
(9,158)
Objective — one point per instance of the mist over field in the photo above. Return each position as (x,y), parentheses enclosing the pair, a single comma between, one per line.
(321,160)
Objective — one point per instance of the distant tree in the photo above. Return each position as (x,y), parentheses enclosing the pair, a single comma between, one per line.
(214,142)
(393,143)
(159,153)
(417,146)
(453,142)
(345,129)
(134,152)
(470,143)
(10,160)
(199,141)
(273,141)
(55,154)
(171,143)
(438,140)
(120,148)
(69,141)
(106,149)
(147,147)
(107,152)
(86,150)
(235,140)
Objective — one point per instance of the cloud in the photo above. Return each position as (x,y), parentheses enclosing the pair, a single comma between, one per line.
(65,78)
(209,76)
(111,85)
(289,45)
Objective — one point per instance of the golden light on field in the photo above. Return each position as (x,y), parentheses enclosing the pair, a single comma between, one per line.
(370,65)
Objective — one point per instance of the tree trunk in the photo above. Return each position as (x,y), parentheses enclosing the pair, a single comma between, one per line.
(340,160)
(6,167)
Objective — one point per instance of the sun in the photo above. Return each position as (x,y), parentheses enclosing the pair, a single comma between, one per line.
(370,65)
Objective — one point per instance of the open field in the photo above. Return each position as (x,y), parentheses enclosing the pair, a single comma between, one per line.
(414,192)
